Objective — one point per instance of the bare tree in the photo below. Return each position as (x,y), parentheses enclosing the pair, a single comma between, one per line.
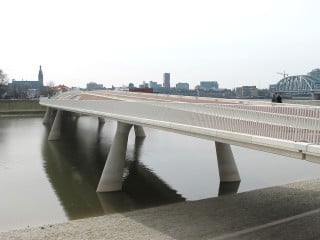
(51,90)
(3,83)
(3,78)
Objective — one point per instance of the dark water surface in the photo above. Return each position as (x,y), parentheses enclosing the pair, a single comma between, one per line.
(44,182)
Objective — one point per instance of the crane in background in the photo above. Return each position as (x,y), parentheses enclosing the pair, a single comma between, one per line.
(284,74)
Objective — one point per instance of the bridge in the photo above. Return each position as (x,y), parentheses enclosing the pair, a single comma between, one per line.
(303,84)
(290,130)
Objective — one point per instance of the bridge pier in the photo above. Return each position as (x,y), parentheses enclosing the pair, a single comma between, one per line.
(76,116)
(139,131)
(47,116)
(228,170)
(101,120)
(111,177)
(55,131)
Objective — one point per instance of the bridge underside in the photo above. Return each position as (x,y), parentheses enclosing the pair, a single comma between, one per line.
(112,175)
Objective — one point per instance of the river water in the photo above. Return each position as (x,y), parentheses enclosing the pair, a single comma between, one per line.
(44,182)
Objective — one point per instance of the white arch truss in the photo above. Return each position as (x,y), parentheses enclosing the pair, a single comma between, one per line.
(297,83)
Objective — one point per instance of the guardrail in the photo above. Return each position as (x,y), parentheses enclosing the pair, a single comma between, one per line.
(280,123)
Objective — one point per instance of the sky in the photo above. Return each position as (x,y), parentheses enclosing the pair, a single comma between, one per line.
(233,42)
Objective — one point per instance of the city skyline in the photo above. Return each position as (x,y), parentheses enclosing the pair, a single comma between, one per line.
(235,43)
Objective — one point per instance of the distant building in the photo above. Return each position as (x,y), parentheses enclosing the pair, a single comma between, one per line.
(144,85)
(60,89)
(144,90)
(272,88)
(264,93)
(247,92)
(207,85)
(131,85)
(154,85)
(27,89)
(40,77)
(315,73)
(182,86)
(166,80)
(32,93)
(94,86)
(30,84)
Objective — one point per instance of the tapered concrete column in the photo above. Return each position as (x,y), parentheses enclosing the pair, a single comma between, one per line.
(55,131)
(228,170)
(76,116)
(226,188)
(139,131)
(111,178)
(47,116)
(101,120)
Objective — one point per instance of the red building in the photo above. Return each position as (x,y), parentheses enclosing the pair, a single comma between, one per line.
(145,90)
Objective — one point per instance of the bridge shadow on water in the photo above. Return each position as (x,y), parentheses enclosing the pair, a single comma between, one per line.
(74,165)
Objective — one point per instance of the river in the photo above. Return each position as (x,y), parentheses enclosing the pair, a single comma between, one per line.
(44,182)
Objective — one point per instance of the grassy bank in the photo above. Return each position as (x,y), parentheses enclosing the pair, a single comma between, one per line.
(20,107)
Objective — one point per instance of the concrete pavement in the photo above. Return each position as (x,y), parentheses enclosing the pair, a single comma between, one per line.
(284,212)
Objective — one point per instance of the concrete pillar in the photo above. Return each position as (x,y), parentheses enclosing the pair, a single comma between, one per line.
(101,120)
(47,116)
(111,178)
(227,166)
(226,188)
(55,131)
(139,131)
(76,116)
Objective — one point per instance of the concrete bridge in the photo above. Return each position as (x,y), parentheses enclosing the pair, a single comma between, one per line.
(290,130)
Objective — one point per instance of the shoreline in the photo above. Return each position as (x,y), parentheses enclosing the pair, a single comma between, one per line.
(21,107)
(25,113)
(290,211)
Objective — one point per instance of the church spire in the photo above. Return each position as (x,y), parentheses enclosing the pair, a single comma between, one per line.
(40,77)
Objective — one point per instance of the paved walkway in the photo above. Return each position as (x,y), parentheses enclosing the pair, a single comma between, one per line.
(285,212)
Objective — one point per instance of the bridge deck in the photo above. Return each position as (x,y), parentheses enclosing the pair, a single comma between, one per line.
(281,128)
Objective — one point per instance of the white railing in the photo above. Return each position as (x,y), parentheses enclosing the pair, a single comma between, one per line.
(279,122)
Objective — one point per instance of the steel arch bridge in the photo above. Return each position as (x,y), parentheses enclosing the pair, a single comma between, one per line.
(298,84)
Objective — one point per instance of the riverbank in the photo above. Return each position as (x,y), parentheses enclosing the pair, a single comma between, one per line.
(20,107)
(290,211)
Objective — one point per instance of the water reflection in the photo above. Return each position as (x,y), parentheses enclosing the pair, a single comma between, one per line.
(74,165)
(57,181)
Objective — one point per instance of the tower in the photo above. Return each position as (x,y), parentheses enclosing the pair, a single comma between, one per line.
(40,77)
(166,80)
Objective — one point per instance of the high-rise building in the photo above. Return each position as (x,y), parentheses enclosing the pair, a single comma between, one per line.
(166,80)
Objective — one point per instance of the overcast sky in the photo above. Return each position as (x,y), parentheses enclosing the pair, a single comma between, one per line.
(234,42)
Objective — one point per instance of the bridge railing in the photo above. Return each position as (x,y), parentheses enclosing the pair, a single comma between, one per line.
(295,110)
(270,124)
(227,118)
